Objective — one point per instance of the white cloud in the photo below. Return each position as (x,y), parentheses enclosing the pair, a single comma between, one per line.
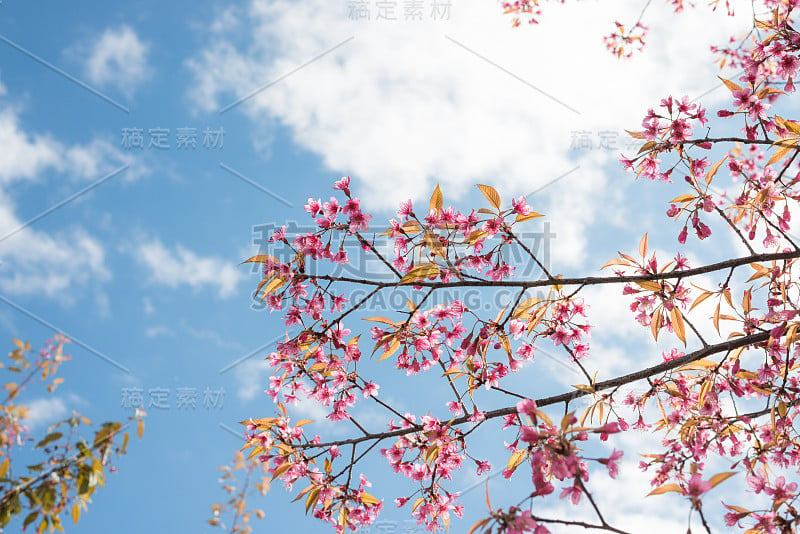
(116,58)
(30,155)
(155,331)
(38,263)
(184,267)
(26,156)
(405,105)
(252,377)
(45,411)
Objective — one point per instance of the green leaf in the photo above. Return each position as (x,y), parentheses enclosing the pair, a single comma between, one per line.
(420,272)
(50,438)
(30,518)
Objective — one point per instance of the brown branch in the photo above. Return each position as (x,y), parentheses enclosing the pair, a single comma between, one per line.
(588,280)
(642,374)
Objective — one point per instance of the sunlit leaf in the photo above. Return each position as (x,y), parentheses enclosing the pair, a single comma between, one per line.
(368,499)
(420,272)
(666,488)
(719,478)
(261,258)
(703,296)
(391,350)
(649,285)
(713,170)
(436,199)
(528,217)
(786,146)
(616,261)
(517,457)
(312,498)
(49,439)
(676,317)
(491,195)
(730,85)
(680,199)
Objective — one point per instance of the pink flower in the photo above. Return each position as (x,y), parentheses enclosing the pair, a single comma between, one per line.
(527,407)
(313,207)
(343,184)
(697,486)
(573,492)
(529,434)
(483,467)
(371,390)
(611,463)
(520,206)
(359,221)
(455,407)
(405,210)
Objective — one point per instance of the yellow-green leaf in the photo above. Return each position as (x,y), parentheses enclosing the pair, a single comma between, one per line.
(636,135)
(261,258)
(783,150)
(730,85)
(491,195)
(516,458)
(528,217)
(700,299)
(391,350)
(476,236)
(698,365)
(713,170)
(719,478)
(378,319)
(275,284)
(666,488)
(649,285)
(676,317)
(616,261)
(312,498)
(368,499)
(680,199)
(420,272)
(524,306)
(436,199)
(281,469)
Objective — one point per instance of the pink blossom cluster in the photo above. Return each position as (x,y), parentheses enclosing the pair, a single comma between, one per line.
(428,456)
(624,43)
(278,441)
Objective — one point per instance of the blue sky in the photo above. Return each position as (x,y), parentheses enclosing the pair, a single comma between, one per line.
(141,268)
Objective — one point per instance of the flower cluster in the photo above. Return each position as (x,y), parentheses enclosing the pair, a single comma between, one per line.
(624,43)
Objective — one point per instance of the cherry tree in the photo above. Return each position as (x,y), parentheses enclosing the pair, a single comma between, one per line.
(72,467)
(726,392)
